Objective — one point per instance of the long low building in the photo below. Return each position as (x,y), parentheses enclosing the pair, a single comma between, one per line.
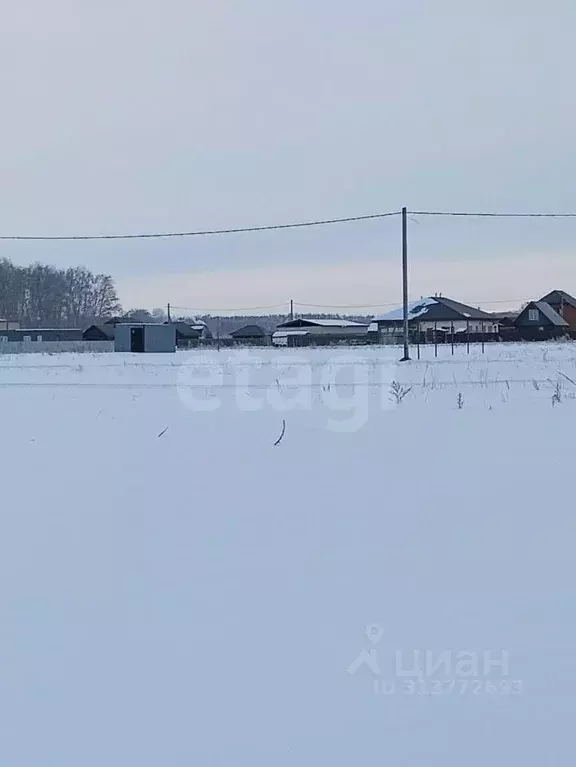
(436,314)
(39,335)
(319,332)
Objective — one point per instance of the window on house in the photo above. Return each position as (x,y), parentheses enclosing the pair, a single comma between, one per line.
(27,338)
(39,338)
(3,338)
(533,315)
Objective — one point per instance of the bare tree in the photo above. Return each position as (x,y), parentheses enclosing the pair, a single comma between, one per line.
(41,295)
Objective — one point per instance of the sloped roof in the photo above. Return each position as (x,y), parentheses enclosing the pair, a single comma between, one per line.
(184,330)
(436,309)
(123,321)
(286,333)
(107,330)
(468,312)
(559,297)
(307,322)
(250,331)
(415,309)
(551,314)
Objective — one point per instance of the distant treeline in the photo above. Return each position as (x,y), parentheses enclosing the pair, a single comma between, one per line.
(44,296)
(40,295)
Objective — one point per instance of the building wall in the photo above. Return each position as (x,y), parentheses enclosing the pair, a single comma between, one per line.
(157,338)
(566,311)
(475,326)
(122,338)
(569,313)
(38,335)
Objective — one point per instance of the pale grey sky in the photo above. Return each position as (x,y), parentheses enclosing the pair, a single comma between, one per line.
(135,115)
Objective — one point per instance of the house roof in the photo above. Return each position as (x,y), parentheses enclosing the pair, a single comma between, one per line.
(415,309)
(286,333)
(307,322)
(47,330)
(435,309)
(512,314)
(323,332)
(249,331)
(551,314)
(559,297)
(122,321)
(107,330)
(184,330)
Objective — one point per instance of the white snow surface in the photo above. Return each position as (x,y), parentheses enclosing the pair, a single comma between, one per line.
(415,309)
(201,597)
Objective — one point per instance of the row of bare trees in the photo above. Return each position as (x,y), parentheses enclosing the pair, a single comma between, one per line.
(44,296)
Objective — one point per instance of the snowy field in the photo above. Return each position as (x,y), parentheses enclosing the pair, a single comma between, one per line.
(392,583)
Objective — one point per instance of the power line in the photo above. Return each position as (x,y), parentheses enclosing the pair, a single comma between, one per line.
(274,227)
(380,304)
(375,305)
(241,309)
(489,215)
(205,232)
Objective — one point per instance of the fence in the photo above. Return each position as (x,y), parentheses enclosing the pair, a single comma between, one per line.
(55,347)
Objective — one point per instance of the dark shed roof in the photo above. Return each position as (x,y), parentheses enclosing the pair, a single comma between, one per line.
(184,330)
(99,333)
(249,331)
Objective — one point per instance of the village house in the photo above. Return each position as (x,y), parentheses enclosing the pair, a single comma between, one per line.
(39,335)
(436,316)
(538,321)
(563,304)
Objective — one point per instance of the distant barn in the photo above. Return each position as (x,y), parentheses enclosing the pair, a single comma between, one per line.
(252,335)
(319,332)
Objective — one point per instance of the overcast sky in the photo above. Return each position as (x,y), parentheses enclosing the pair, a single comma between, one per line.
(135,115)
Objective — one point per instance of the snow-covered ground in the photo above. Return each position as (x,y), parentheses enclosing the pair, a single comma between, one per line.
(390,584)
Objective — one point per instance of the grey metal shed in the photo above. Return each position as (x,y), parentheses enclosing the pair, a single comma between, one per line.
(141,337)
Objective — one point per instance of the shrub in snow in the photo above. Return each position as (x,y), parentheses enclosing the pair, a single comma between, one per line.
(398,392)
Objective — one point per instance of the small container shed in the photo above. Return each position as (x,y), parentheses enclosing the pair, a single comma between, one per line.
(142,337)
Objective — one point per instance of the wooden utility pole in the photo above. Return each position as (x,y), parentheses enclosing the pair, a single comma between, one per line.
(218,335)
(168,313)
(406,356)
(291,309)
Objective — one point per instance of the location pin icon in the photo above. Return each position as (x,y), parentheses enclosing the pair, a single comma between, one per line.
(374,632)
